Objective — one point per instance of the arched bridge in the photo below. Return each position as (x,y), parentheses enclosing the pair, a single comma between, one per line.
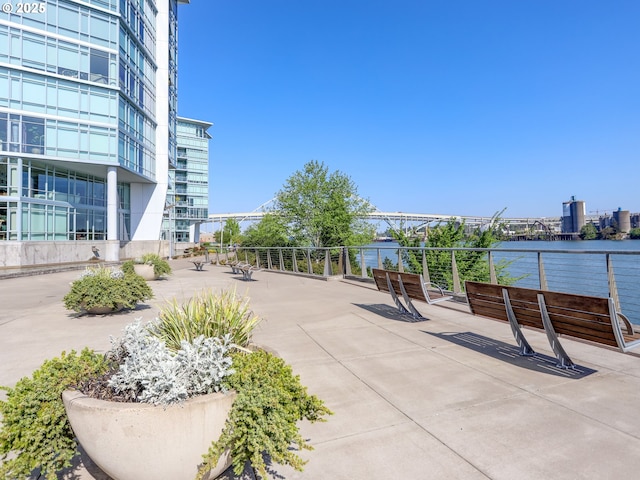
(402,218)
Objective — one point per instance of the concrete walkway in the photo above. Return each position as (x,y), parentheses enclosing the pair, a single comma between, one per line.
(445,398)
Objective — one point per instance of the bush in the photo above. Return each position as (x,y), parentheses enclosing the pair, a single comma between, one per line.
(160,265)
(105,287)
(263,420)
(34,423)
(209,315)
(127,267)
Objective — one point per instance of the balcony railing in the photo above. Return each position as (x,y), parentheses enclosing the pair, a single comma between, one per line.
(614,273)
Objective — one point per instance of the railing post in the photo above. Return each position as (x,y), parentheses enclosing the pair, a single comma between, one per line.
(454,272)
(425,267)
(281,258)
(379,260)
(269,262)
(309,269)
(294,261)
(257,259)
(346,261)
(363,269)
(341,262)
(541,274)
(400,266)
(327,263)
(493,278)
(611,279)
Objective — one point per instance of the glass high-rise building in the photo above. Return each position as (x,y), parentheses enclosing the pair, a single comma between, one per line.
(88,116)
(189,185)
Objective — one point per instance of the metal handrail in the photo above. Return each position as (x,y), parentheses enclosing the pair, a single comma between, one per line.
(586,272)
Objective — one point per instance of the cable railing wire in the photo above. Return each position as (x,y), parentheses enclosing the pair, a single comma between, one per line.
(571,271)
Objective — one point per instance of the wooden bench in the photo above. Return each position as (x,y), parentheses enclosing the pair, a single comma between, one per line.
(199,263)
(247,271)
(412,287)
(589,318)
(236,266)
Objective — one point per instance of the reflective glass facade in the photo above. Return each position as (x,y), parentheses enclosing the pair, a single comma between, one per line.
(78,99)
(190,187)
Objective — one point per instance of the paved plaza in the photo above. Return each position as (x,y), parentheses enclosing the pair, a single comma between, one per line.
(444,398)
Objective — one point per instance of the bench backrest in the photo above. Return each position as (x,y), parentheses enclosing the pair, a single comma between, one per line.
(486,300)
(413,286)
(580,316)
(380,277)
(417,289)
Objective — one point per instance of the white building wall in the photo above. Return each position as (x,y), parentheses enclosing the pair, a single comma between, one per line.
(148,200)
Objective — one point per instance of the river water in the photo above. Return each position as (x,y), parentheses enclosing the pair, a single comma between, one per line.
(567,268)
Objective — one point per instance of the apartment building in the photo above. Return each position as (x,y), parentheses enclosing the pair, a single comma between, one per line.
(88,128)
(189,189)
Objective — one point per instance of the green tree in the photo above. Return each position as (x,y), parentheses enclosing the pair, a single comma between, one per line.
(608,233)
(588,232)
(230,233)
(270,231)
(323,209)
(472,265)
(634,233)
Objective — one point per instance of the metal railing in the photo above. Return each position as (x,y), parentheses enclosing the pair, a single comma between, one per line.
(614,273)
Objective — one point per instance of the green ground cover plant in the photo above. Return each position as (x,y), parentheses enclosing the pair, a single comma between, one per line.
(34,427)
(106,287)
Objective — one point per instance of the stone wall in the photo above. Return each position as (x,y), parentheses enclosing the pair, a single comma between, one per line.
(29,254)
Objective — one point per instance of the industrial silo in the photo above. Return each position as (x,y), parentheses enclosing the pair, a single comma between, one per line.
(622,219)
(573,215)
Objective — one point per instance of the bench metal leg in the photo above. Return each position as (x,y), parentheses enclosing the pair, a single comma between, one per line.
(396,300)
(563,359)
(525,348)
(414,312)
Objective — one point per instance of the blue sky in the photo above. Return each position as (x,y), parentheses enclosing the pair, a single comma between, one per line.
(447,106)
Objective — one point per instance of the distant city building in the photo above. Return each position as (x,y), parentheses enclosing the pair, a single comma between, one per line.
(189,190)
(622,220)
(573,215)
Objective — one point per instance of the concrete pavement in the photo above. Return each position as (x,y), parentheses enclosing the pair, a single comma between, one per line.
(445,398)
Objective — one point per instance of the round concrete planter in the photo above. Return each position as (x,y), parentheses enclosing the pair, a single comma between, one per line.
(145,271)
(138,441)
(103,310)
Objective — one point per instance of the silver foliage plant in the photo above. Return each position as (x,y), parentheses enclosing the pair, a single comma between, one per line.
(154,374)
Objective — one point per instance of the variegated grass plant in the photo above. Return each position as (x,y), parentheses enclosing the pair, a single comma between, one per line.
(208,314)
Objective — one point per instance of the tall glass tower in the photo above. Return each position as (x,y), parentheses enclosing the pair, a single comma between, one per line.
(189,191)
(88,109)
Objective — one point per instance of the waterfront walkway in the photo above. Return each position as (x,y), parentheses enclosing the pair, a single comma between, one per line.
(446,398)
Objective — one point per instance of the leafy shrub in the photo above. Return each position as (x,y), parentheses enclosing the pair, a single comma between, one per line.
(263,420)
(160,265)
(209,315)
(151,373)
(34,424)
(106,287)
(127,267)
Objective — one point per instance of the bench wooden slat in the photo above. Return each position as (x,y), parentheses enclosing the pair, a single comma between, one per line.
(491,304)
